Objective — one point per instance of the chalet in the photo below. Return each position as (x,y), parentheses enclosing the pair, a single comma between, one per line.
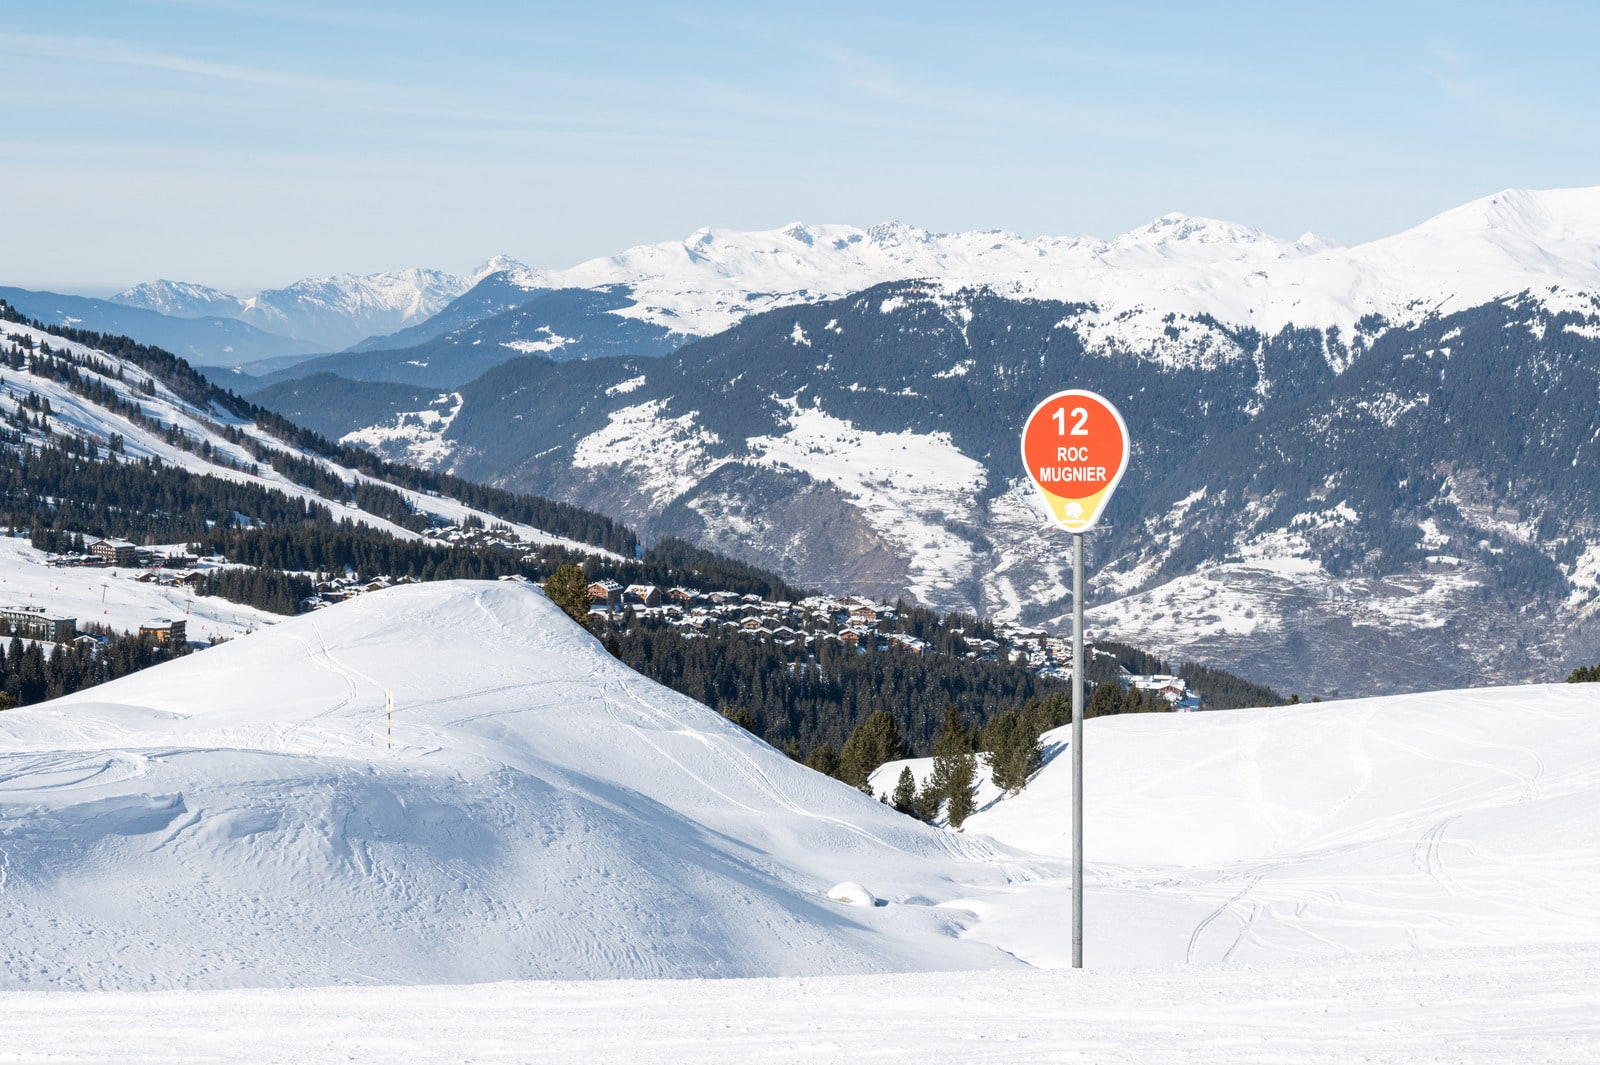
(850,638)
(1173,689)
(115,552)
(605,595)
(166,630)
(37,623)
(908,643)
(751,623)
(784,632)
(865,613)
(684,597)
(647,595)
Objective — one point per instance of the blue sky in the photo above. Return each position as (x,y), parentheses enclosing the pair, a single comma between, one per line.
(247,144)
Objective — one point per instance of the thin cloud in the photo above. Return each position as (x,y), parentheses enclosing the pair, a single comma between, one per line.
(95,50)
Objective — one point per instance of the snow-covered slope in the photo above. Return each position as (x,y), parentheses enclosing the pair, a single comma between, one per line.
(237,818)
(1443,820)
(1498,245)
(178,422)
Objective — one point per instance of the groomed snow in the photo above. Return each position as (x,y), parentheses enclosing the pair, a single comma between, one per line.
(1478,1007)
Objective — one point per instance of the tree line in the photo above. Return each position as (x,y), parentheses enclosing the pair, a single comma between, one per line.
(29,675)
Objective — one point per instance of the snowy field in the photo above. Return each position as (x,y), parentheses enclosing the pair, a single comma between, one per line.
(112,596)
(1465,1007)
(222,859)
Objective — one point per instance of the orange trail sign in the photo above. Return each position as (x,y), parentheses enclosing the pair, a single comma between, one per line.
(1075,446)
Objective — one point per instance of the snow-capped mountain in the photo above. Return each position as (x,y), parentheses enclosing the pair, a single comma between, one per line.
(325,313)
(1501,244)
(205,341)
(656,296)
(181,299)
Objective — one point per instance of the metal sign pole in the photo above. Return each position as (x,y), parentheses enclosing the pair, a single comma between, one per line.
(1077,750)
(1075,447)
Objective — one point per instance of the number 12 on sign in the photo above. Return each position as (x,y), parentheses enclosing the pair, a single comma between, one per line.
(1075,448)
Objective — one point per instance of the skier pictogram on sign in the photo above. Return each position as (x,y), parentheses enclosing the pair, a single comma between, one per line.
(1075,446)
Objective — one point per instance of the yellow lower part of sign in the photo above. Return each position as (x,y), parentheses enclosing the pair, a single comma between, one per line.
(1075,515)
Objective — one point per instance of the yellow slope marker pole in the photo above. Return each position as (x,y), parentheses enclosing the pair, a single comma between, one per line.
(389,698)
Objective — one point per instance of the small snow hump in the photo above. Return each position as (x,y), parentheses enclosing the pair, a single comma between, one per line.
(853,894)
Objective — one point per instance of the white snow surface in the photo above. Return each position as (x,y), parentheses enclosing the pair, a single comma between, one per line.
(1516,240)
(666,455)
(235,818)
(1400,879)
(1475,1007)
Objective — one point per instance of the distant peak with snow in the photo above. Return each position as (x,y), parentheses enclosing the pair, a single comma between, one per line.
(1496,246)
(329,312)
(180,299)
(1499,245)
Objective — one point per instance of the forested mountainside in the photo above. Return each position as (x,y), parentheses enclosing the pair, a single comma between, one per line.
(105,438)
(1325,510)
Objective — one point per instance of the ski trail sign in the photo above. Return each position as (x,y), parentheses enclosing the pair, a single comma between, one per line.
(1075,447)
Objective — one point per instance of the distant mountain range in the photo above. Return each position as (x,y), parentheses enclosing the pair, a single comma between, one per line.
(1318,479)
(204,341)
(841,405)
(322,314)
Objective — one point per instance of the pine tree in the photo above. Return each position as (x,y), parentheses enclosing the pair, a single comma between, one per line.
(825,760)
(905,792)
(953,737)
(1015,754)
(954,766)
(961,789)
(874,742)
(569,589)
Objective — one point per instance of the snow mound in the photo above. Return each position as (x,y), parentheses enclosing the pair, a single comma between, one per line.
(852,894)
(237,818)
